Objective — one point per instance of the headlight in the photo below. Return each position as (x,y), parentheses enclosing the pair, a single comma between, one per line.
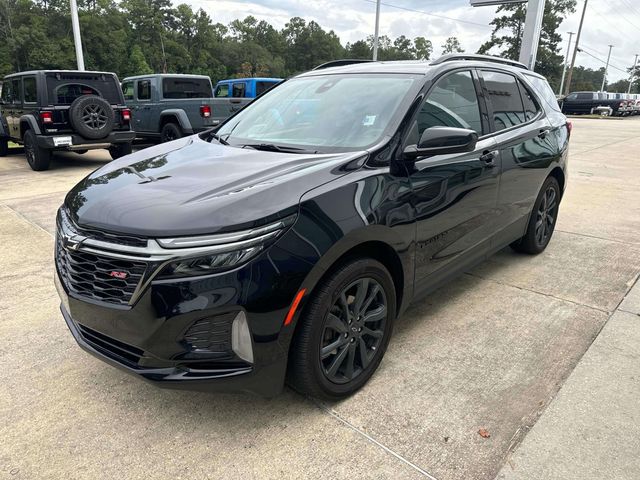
(207,254)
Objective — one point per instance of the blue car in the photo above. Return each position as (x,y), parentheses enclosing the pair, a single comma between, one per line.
(244,87)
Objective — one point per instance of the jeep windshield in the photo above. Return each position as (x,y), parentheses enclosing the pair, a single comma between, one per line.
(323,113)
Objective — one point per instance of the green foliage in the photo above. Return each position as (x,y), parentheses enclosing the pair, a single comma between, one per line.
(507,34)
(451,45)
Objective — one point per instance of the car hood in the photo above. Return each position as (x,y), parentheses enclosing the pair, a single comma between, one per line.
(191,186)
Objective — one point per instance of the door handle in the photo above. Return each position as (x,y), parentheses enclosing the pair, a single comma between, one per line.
(543,132)
(488,157)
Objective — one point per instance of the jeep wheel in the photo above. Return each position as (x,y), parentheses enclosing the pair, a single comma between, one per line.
(4,148)
(39,158)
(91,116)
(120,150)
(170,132)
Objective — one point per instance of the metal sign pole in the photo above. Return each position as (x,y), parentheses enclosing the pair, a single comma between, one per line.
(531,36)
(566,61)
(75,25)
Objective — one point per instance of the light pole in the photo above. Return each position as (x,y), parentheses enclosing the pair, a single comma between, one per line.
(604,77)
(566,60)
(575,50)
(633,73)
(75,25)
(375,34)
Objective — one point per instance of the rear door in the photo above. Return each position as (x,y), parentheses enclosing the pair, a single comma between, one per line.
(527,148)
(15,107)
(454,196)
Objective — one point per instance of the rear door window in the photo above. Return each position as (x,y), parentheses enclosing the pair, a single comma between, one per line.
(30,93)
(239,89)
(263,86)
(66,94)
(584,96)
(144,89)
(504,95)
(179,87)
(222,90)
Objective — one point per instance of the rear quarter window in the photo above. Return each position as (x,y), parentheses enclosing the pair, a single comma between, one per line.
(177,87)
(543,89)
(262,87)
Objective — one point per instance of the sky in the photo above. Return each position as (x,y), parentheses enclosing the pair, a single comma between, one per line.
(615,22)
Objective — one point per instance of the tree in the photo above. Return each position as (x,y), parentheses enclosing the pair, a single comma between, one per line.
(423,48)
(506,37)
(451,45)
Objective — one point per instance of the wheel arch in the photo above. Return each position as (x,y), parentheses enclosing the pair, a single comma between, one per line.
(559,175)
(178,116)
(28,122)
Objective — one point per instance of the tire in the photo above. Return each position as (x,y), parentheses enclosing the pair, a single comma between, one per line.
(324,323)
(4,148)
(91,116)
(542,221)
(118,150)
(38,158)
(170,132)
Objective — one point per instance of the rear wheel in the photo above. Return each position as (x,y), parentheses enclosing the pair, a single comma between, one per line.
(118,150)
(542,220)
(38,158)
(4,148)
(170,132)
(344,332)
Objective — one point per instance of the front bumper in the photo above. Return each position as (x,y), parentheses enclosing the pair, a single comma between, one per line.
(81,143)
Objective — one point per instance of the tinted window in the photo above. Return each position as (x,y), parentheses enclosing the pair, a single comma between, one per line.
(66,94)
(103,85)
(144,90)
(239,89)
(17,90)
(504,95)
(453,102)
(30,94)
(7,92)
(186,88)
(222,90)
(584,96)
(262,87)
(543,89)
(531,108)
(127,90)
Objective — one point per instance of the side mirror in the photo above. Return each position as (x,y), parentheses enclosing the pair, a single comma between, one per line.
(442,141)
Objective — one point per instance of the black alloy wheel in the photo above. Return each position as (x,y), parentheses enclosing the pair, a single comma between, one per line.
(94,116)
(542,221)
(38,158)
(343,330)
(170,132)
(91,116)
(353,330)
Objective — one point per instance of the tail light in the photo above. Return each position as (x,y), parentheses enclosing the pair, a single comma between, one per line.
(205,111)
(569,127)
(46,117)
(126,114)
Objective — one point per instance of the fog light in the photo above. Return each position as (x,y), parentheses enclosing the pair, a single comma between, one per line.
(241,338)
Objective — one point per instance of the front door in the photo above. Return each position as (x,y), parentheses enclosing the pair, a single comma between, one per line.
(142,116)
(454,195)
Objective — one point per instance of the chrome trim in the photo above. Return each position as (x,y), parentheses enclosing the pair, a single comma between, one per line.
(216,239)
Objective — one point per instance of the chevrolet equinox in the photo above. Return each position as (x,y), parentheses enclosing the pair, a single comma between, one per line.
(283,244)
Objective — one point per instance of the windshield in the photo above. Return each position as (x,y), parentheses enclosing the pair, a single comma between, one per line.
(321,113)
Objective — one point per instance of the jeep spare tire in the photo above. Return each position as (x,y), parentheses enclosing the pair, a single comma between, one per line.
(91,116)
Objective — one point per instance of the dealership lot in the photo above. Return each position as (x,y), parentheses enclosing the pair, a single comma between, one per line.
(489,351)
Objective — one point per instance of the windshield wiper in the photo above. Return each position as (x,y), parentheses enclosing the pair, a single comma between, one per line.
(218,138)
(270,147)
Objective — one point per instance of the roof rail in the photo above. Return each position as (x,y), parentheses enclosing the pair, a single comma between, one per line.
(482,58)
(340,63)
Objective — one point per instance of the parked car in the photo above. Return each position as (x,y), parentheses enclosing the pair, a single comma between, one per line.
(169,106)
(244,87)
(594,102)
(48,110)
(285,243)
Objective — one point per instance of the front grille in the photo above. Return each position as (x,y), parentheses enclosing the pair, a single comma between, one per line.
(94,276)
(111,347)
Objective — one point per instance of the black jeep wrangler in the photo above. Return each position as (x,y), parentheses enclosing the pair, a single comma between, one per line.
(48,110)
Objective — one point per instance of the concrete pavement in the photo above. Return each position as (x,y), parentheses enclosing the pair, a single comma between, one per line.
(490,350)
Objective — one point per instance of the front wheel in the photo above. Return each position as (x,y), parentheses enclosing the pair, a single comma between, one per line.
(344,331)
(542,221)
(38,158)
(120,150)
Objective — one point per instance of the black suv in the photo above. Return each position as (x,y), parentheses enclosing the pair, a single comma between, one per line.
(50,110)
(287,241)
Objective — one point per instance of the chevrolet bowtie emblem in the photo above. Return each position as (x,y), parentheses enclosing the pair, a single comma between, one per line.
(73,243)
